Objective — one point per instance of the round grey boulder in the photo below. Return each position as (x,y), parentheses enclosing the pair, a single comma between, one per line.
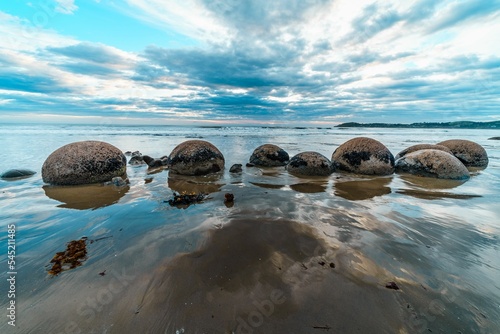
(470,153)
(422,147)
(309,164)
(84,162)
(15,174)
(364,156)
(269,155)
(432,163)
(196,157)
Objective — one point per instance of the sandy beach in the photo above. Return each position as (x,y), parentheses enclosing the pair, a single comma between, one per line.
(290,255)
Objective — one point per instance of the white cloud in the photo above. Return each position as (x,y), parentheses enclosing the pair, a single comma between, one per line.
(187,17)
(66,6)
(306,57)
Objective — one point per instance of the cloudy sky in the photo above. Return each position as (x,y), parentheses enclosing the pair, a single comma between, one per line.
(249,61)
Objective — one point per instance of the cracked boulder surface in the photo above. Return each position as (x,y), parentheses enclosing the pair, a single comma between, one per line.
(418,147)
(196,157)
(269,155)
(470,153)
(364,155)
(310,164)
(432,163)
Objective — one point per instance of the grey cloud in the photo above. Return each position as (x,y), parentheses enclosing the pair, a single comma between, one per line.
(228,68)
(30,83)
(262,17)
(266,67)
(89,52)
(152,75)
(89,69)
(466,10)
(421,10)
(372,21)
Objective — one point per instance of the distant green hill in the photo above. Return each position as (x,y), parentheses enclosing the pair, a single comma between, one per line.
(432,125)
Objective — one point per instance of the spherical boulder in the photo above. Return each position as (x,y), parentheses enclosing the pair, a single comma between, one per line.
(84,162)
(196,157)
(470,153)
(422,147)
(432,163)
(269,155)
(309,164)
(364,156)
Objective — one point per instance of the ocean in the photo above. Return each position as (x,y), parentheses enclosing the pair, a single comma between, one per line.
(291,255)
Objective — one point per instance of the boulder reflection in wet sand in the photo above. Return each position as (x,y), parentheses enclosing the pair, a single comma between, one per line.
(430,183)
(260,276)
(434,194)
(363,189)
(86,197)
(195,184)
(309,187)
(268,185)
(431,188)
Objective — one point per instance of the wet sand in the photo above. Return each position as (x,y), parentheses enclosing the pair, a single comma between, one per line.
(290,255)
(248,276)
(257,267)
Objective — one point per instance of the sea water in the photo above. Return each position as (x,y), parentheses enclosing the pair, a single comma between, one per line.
(291,255)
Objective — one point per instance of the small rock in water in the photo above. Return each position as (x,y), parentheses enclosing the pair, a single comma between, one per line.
(152,163)
(17,174)
(236,168)
(228,197)
(165,160)
(392,285)
(186,199)
(136,160)
(118,181)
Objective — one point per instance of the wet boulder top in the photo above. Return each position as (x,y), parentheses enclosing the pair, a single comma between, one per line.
(432,163)
(269,155)
(83,162)
(310,164)
(196,157)
(470,153)
(364,155)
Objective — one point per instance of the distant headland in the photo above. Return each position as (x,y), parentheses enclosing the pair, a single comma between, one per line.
(426,125)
